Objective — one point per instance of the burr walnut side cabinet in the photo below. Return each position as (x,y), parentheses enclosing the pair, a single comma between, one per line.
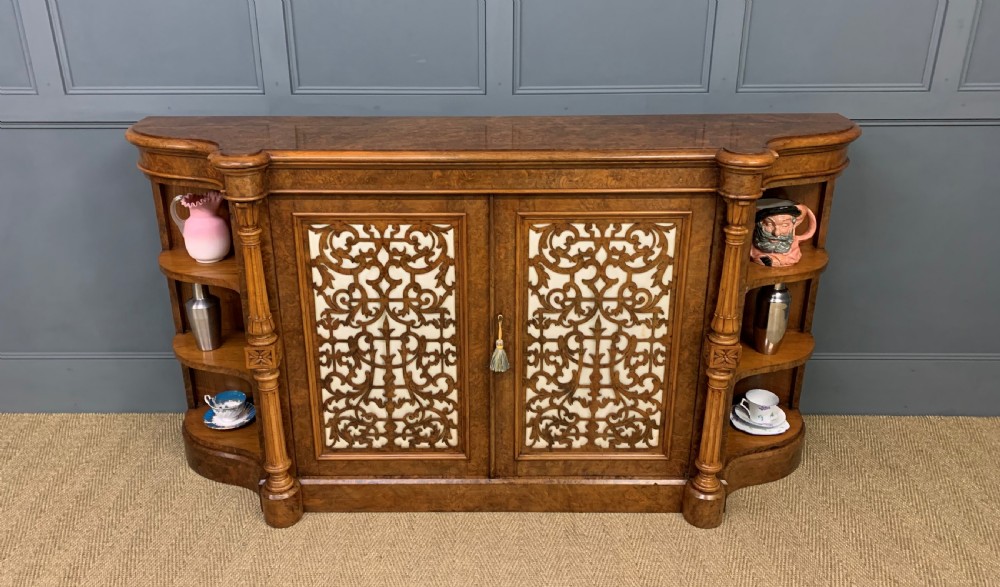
(374,256)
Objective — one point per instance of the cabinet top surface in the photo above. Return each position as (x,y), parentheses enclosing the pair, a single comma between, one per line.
(673,135)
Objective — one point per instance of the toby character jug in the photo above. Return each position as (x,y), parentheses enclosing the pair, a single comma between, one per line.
(775,242)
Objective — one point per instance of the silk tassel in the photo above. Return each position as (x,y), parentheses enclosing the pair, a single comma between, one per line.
(499,362)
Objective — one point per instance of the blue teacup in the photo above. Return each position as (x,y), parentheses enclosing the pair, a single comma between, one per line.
(229,405)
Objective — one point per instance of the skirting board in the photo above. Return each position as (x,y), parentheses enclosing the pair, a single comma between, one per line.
(931,385)
(945,385)
(91,385)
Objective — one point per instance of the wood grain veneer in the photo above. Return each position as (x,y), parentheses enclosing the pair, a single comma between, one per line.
(228,359)
(795,350)
(464,138)
(813,263)
(227,456)
(373,255)
(178,265)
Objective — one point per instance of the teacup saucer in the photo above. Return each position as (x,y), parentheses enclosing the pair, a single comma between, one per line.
(757,430)
(248,417)
(778,420)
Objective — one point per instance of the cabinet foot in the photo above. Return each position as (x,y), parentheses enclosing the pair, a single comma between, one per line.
(703,510)
(281,510)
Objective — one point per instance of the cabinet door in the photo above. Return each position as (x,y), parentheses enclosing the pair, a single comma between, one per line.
(384,320)
(603,299)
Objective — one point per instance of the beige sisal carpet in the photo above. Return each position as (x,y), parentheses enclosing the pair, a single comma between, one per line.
(108,500)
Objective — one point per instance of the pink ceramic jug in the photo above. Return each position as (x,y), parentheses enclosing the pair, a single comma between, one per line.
(206,234)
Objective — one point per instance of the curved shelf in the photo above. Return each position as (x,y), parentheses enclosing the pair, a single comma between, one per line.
(752,460)
(228,359)
(796,348)
(226,456)
(176,264)
(813,263)
(741,444)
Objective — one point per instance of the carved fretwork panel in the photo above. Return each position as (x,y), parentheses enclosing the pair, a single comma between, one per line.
(386,303)
(597,300)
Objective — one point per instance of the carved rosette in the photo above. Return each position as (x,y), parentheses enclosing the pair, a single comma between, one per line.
(724,357)
(262,357)
(386,305)
(597,347)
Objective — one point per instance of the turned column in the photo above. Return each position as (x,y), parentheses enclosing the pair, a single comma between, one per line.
(740,185)
(245,181)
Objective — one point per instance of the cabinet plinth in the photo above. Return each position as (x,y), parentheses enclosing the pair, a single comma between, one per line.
(374,256)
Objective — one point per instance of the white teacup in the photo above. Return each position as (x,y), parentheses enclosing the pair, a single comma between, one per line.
(761,405)
(228,406)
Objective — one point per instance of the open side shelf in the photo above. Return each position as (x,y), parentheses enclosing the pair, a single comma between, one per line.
(751,460)
(741,444)
(795,350)
(176,264)
(227,456)
(813,263)
(228,359)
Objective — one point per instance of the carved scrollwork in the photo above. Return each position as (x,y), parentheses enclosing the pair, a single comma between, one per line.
(597,348)
(387,336)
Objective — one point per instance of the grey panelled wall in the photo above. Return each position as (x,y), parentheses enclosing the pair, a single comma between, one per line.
(562,48)
(15,71)
(826,59)
(427,47)
(982,68)
(908,312)
(98,55)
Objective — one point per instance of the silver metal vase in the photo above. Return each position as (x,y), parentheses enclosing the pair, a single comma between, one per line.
(204,318)
(770,320)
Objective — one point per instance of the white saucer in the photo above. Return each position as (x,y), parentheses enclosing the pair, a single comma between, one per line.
(742,413)
(209,419)
(757,430)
